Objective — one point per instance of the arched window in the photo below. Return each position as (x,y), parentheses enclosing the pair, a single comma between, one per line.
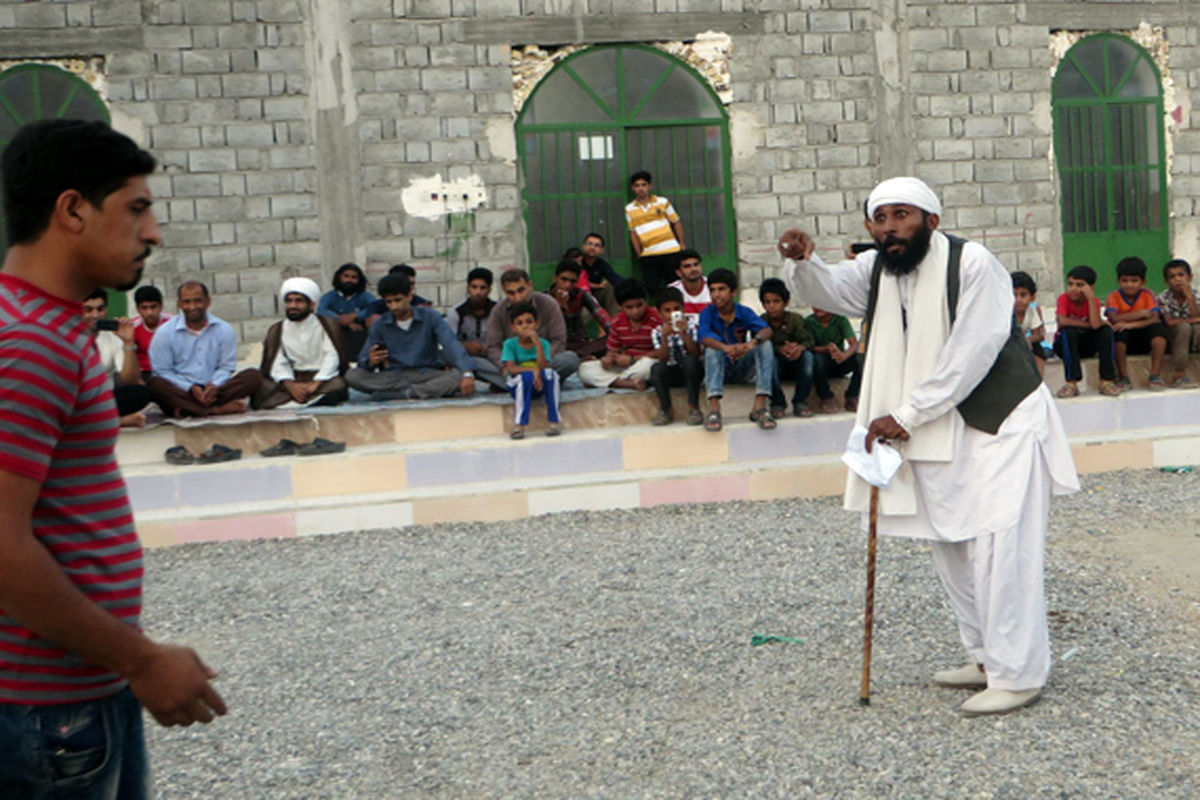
(1109,145)
(29,92)
(602,114)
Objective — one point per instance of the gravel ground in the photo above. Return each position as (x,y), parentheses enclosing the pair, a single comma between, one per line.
(608,655)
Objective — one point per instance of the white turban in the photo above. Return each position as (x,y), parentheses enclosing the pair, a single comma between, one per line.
(911,191)
(304,286)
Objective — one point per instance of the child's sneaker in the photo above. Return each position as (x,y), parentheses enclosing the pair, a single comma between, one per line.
(1155,383)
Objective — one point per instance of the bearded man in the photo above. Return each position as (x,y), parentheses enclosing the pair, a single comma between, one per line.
(949,385)
(346,302)
(302,360)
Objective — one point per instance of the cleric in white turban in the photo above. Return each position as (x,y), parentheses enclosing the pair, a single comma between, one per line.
(302,361)
(949,382)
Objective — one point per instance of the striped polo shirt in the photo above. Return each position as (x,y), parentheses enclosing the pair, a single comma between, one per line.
(58,426)
(622,336)
(652,224)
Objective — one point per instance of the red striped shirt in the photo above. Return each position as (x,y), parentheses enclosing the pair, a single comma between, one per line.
(58,426)
(622,336)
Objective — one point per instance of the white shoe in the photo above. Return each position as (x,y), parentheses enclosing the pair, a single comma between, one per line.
(999,701)
(966,675)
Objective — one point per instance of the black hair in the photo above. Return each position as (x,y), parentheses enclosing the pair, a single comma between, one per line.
(191,285)
(49,157)
(1131,265)
(1177,263)
(774,286)
(593,234)
(684,254)
(395,283)
(350,266)
(1083,273)
(572,254)
(629,289)
(566,265)
(668,295)
(640,175)
(403,269)
(522,308)
(97,294)
(147,294)
(725,276)
(1023,280)
(481,274)
(514,276)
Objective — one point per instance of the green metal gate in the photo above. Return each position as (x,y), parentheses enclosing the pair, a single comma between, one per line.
(602,114)
(1111,153)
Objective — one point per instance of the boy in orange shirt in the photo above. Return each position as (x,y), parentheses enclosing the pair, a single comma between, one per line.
(1136,319)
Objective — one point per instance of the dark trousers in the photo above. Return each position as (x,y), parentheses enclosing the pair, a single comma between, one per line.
(824,368)
(1074,344)
(131,398)
(688,374)
(657,272)
(802,370)
(272,395)
(175,402)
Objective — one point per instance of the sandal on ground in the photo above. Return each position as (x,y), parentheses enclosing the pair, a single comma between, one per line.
(1108,389)
(553,430)
(778,412)
(802,410)
(284,447)
(661,418)
(517,433)
(712,422)
(1155,383)
(321,447)
(179,456)
(1071,390)
(762,417)
(218,454)
(694,417)
(829,406)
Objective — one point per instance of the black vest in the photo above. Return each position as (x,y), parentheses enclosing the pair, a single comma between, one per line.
(1013,375)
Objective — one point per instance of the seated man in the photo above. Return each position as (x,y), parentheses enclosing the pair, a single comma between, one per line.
(598,276)
(469,321)
(302,361)
(149,303)
(518,288)
(378,308)
(345,301)
(739,350)
(400,359)
(573,301)
(835,355)
(194,356)
(118,355)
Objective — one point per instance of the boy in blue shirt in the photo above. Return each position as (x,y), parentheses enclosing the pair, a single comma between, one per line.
(525,361)
(738,350)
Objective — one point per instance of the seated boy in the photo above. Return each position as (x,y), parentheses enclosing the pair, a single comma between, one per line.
(1083,332)
(573,301)
(526,364)
(1028,314)
(835,355)
(791,339)
(630,355)
(677,351)
(1137,322)
(738,350)
(1180,305)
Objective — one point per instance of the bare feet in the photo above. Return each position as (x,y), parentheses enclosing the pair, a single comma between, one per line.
(232,407)
(135,420)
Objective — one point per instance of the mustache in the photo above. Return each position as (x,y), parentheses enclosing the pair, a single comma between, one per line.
(145,254)
(893,240)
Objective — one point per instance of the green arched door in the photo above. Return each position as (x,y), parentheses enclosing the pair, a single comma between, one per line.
(602,114)
(1109,144)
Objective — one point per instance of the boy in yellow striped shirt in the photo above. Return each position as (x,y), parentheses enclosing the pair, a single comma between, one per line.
(655,231)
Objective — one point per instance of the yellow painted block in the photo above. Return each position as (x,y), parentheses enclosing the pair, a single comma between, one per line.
(688,448)
(471,508)
(353,474)
(156,534)
(816,481)
(1106,456)
(433,424)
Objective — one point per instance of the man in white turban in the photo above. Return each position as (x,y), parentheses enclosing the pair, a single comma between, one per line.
(302,361)
(948,383)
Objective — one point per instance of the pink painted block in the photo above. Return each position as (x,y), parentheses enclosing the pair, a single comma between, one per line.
(268,526)
(696,490)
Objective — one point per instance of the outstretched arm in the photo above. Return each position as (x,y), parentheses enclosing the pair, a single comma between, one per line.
(843,288)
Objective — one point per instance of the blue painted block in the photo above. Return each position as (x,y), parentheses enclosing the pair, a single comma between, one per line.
(201,487)
(819,437)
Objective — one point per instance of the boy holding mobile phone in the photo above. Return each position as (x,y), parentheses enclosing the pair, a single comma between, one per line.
(677,354)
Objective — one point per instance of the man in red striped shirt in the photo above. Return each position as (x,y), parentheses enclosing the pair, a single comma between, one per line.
(74,665)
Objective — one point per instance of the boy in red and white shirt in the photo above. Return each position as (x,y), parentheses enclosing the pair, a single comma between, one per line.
(693,285)
(631,348)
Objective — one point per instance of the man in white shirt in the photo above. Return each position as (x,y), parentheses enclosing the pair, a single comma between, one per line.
(302,362)
(693,285)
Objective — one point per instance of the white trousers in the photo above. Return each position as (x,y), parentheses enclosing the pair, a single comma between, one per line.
(593,373)
(996,587)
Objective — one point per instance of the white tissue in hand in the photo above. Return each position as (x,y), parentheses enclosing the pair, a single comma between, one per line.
(876,467)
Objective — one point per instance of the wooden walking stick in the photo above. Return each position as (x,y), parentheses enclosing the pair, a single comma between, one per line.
(864,694)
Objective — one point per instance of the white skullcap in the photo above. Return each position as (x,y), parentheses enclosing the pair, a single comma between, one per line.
(911,191)
(304,286)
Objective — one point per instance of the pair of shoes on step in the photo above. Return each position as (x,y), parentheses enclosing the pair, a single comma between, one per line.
(989,701)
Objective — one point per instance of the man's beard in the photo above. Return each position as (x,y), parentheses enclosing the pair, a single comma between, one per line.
(348,288)
(297,316)
(915,249)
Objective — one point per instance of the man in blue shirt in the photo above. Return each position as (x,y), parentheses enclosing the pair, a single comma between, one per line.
(346,302)
(193,356)
(401,360)
(737,350)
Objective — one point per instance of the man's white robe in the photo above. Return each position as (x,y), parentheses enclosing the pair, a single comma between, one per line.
(985,509)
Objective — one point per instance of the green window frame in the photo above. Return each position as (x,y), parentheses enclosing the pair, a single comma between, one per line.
(1111,152)
(598,116)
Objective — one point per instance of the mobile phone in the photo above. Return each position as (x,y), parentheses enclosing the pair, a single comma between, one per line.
(107,325)
(676,317)
(862,247)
